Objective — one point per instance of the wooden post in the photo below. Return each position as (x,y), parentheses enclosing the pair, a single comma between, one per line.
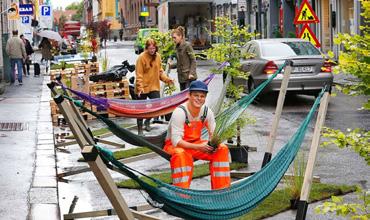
(307,181)
(279,108)
(96,164)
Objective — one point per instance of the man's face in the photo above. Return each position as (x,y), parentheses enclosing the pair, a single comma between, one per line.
(197,98)
(152,49)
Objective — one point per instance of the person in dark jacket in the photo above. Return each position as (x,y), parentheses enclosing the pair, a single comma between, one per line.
(186,63)
(46,47)
(29,52)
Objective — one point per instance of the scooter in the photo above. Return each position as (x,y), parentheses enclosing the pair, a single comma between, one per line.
(113,74)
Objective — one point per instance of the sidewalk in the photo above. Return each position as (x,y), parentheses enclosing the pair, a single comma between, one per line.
(28,179)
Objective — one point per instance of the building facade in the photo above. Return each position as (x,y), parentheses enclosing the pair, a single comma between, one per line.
(131,9)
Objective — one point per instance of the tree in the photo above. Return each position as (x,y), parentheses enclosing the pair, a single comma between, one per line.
(79,7)
(354,60)
(62,21)
(230,49)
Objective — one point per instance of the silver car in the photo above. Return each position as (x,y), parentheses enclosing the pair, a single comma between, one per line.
(311,71)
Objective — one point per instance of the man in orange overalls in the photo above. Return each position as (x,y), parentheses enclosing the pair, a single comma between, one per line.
(184,141)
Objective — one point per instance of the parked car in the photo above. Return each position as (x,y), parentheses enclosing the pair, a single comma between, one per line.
(142,34)
(311,70)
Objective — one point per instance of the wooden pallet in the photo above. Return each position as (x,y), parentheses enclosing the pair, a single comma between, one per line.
(111,89)
(90,68)
(57,116)
(66,73)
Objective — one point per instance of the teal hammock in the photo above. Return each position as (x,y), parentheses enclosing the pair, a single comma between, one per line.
(228,203)
(223,120)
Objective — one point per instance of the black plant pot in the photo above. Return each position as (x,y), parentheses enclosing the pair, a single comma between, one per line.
(294,203)
(239,154)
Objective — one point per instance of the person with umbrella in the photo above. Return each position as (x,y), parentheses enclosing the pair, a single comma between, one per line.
(45,47)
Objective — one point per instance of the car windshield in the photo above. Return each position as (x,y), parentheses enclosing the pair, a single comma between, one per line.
(288,49)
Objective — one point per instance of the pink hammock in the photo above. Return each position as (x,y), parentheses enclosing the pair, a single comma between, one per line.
(138,108)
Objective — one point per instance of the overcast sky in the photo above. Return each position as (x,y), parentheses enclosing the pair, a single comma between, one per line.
(62,3)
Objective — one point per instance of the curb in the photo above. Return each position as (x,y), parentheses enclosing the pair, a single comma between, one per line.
(43,195)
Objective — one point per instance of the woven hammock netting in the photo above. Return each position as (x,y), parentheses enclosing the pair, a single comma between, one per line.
(228,203)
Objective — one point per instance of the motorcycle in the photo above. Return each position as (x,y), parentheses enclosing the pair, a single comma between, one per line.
(113,74)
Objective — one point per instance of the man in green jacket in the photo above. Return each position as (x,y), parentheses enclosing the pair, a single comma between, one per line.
(17,53)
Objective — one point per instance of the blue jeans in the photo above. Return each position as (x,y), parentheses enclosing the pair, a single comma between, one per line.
(13,62)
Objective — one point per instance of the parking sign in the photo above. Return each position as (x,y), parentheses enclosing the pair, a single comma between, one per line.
(45,10)
(25,19)
(46,19)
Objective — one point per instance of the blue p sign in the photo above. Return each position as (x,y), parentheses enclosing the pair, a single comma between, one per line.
(45,10)
(25,20)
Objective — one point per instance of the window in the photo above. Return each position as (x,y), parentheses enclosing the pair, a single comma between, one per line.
(287,49)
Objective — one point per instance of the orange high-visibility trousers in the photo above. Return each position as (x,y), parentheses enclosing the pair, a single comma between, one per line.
(182,161)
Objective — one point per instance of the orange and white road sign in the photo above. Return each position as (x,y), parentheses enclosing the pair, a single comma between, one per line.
(307,34)
(306,14)
(13,12)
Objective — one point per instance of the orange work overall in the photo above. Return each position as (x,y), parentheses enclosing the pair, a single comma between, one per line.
(182,159)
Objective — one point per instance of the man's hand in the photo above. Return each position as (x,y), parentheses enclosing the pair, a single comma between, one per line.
(191,76)
(204,147)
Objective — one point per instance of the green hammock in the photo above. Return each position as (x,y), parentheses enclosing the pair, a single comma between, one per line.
(155,143)
(228,203)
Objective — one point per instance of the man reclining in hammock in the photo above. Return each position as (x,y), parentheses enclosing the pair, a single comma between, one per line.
(183,141)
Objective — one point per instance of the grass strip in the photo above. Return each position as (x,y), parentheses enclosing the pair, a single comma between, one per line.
(279,200)
(131,152)
(201,170)
(122,154)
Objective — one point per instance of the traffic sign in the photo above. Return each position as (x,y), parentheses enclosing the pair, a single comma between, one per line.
(306,14)
(45,10)
(25,20)
(307,34)
(144,11)
(46,19)
(25,9)
(13,12)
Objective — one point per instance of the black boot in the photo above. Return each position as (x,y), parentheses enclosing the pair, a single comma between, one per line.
(140,130)
(147,125)
(140,127)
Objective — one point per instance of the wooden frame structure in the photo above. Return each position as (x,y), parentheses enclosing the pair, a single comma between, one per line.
(96,164)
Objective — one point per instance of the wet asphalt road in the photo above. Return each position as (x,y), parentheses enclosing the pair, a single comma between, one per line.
(339,166)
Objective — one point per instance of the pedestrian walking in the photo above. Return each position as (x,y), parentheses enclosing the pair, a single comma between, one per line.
(46,47)
(29,52)
(149,73)
(186,63)
(183,141)
(17,53)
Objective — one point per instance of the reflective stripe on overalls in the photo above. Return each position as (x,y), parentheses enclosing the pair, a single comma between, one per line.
(182,159)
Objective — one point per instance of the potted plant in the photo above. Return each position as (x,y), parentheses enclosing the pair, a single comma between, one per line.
(295,181)
(239,153)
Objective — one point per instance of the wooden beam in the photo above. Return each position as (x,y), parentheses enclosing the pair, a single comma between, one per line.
(74,172)
(126,160)
(278,110)
(111,143)
(65,144)
(99,169)
(308,176)
(106,212)
(306,187)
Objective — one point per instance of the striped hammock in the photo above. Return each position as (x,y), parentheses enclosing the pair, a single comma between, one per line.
(140,108)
